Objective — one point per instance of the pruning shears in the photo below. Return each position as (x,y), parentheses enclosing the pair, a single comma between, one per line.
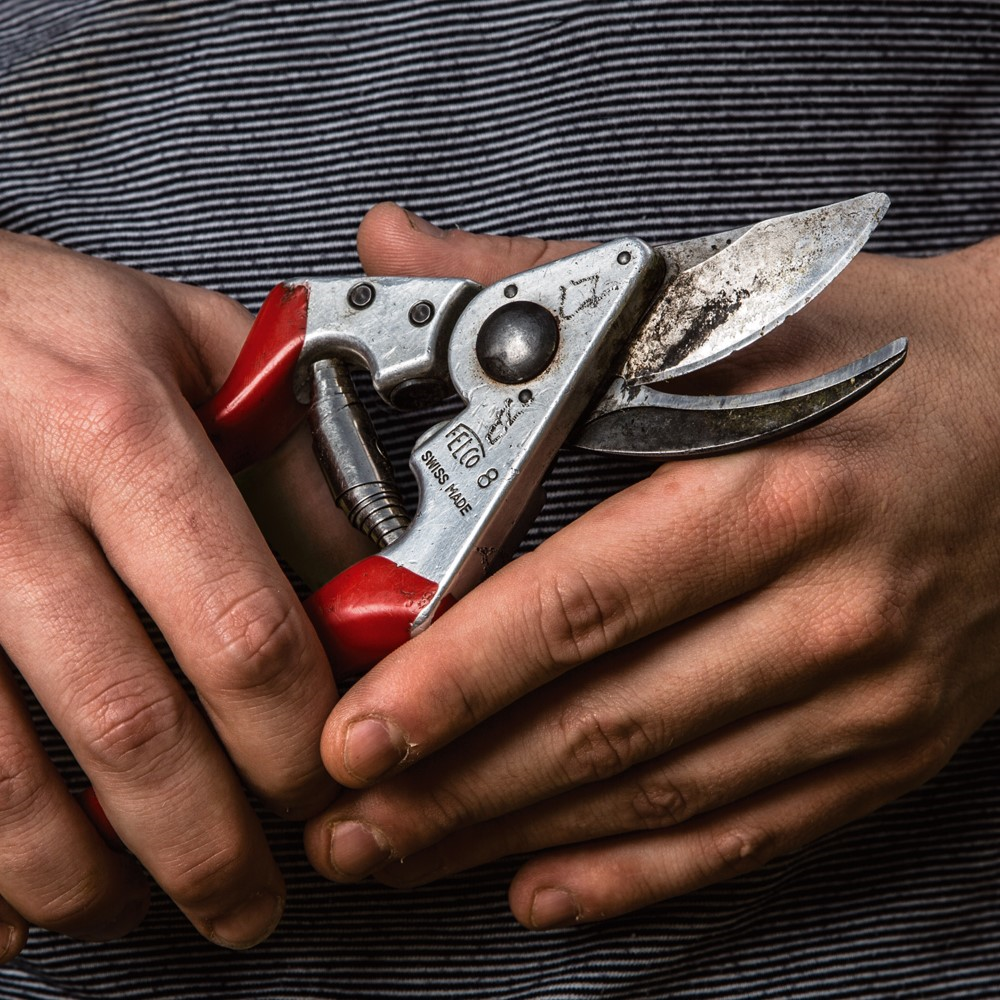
(565,354)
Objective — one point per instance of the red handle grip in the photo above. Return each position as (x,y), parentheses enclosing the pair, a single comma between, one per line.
(88,802)
(366,612)
(256,409)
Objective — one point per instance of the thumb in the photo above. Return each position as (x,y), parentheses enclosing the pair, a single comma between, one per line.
(392,241)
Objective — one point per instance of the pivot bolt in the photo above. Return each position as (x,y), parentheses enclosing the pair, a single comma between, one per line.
(517,342)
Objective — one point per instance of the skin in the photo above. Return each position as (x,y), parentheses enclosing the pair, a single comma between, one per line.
(106,478)
(721,663)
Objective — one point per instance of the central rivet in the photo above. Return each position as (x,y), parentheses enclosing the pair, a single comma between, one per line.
(517,342)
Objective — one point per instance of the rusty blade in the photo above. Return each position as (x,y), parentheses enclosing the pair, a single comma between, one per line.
(722,292)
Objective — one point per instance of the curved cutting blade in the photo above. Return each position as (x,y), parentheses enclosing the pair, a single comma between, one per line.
(644,423)
(722,292)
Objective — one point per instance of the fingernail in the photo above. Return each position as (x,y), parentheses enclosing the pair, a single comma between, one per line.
(553,908)
(372,747)
(423,226)
(6,942)
(356,849)
(248,924)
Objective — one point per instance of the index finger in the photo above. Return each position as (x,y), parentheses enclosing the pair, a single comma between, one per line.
(722,527)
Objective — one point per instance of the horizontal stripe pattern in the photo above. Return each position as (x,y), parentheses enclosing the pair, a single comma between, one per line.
(234,144)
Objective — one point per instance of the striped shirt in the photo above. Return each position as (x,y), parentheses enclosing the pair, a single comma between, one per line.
(238,142)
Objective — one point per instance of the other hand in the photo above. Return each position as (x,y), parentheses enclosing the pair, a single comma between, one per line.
(107,479)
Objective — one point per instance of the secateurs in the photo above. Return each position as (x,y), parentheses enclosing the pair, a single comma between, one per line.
(561,354)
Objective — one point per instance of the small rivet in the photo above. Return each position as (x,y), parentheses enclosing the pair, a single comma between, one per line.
(524,397)
(361,295)
(421,313)
(510,291)
(624,257)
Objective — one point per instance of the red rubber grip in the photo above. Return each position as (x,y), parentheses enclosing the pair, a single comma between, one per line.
(366,612)
(256,409)
(91,805)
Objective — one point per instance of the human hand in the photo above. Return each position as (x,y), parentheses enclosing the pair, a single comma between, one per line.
(107,475)
(721,663)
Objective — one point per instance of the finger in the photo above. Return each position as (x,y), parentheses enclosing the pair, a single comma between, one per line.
(174,527)
(57,872)
(214,328)
(775,648)
(392,241)
(714,771)
(577,597)
(162,779)
(606,878)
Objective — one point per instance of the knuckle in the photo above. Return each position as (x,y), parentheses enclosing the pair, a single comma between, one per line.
(805,499)
(128,728)
(443,810)
(523,253)
(923,759)
(467,703)
(112,428)
(910,705)
(657,801)
(252,641)
(109,418)
(578,620)
(880,616)
(73,910)
(20,788)
(737,849)
(221,309)
(597,745)
(866,622)
(784,505)
(905,704)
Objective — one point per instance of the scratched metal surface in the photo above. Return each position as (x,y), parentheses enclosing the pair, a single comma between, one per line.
(748,282)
